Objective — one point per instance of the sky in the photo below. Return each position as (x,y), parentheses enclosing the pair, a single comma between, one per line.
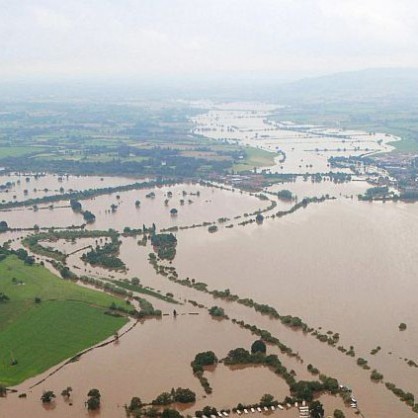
(192,38)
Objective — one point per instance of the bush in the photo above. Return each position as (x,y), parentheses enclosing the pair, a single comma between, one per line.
(376,376)
(216,311)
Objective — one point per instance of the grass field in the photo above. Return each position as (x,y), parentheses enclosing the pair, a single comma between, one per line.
(39,335)
(18,151)
(406,144)
(255,158)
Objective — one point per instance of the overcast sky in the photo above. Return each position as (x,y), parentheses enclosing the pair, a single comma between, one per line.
(140,38)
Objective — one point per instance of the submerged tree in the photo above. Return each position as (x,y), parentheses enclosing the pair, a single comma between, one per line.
(170,413)
(267,400)
(66,393)
(258,346)
(316,410)
(47,396)
(93,402)
(3,226)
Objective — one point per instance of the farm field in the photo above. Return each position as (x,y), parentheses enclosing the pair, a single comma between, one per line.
(36,336)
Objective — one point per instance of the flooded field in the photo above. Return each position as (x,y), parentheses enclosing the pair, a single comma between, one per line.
(302,148)
(194,204)
(22,186)
(341,265)
(336,280)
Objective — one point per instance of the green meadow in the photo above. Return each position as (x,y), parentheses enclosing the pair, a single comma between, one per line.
(37,335)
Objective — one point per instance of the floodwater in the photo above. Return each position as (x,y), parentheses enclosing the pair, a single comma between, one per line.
(199,204)
(30,186)
(154,357)
(307,148)
(341,265)
(336,264)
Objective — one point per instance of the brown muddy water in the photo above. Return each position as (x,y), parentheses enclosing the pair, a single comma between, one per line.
(30,186)
(342,265)
(307,148)
(201,204)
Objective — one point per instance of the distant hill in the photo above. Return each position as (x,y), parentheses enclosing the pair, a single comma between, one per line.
(367,84)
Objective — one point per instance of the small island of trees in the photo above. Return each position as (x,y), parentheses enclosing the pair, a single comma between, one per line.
(164,245)
(285,195)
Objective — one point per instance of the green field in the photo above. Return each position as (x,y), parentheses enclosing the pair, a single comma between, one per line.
(69,319)
(255,158)
(18,151)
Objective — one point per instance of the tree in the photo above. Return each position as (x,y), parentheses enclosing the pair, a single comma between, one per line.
(75,205)
(173,212)
(402,325)
(184,395)
(316,410)
(135,281)
(95,393)
(207,358)
(259,218)
(89,217)
(137,203)
(339,414)
(258,346)
(3,391)
(330,384)
(93,402)
(66,393)
(47,396)
(209,410)
(135,404)
(267,400)
(238,356)
(3,226)
(163,399)
(151,412)
(217,312)
(170,413)
(285,195)
(376,376)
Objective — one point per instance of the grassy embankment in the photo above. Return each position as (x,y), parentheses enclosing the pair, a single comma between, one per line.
(68,319)
(255,158)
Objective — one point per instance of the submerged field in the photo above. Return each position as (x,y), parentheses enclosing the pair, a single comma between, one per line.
(300,262)
(39,334)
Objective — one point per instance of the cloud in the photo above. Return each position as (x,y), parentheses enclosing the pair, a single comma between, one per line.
(147,37)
